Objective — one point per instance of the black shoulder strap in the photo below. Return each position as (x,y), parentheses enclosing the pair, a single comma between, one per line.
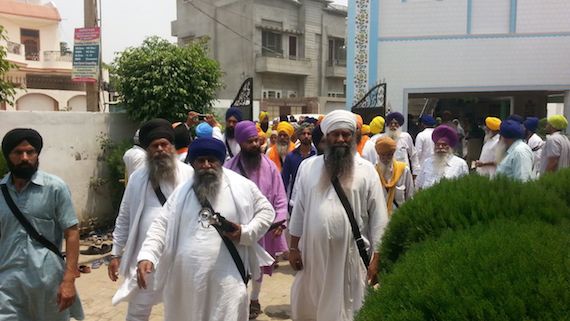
(241,169)
(353,224)
(160,195)
(231,248)
(27,225)
(228,147)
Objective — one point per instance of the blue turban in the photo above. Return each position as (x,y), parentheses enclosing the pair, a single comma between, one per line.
(531,124)
(512,129)
(517,118)
(427,120)
(235,112)
(204,130)
(397,116)
(207,146)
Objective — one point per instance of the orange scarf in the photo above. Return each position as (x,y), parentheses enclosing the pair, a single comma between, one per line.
(274,155)
(390,186)
(360,146)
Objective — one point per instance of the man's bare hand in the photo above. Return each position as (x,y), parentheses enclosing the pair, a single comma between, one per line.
(277,232)
(235,235)
(113,269)
(373,269)
(211,120)
(143,269)
(65,295)
(295,259)
(192,118)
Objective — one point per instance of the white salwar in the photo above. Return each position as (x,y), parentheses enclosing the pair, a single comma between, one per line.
(194,269)
(429,175)
(332,283)
(488,155)
(138,208)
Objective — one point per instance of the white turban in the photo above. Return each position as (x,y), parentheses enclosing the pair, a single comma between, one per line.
(338,119)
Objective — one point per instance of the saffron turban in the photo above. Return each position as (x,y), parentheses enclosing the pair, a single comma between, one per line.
(204,130)
(397,116)
(377,125)
(235,112)
(14,137)
(155,129)
(285,127)
(531,124)
(427,120)
(317,135)
(558,121)
(385,145)
(245,130)
(493,123)
(338,119)
(263,115)
(445,133)
(207,146)
(359,121)
(365,129)
(512,129)
(515,117)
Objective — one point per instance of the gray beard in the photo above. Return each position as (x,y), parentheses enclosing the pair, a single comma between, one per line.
(282,149)
(207,183)
(394,134)
(162,169)
(339,160)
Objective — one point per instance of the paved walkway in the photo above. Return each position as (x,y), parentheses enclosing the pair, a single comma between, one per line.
(96,291)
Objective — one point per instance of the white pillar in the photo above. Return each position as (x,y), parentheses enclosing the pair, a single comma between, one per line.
(567,107)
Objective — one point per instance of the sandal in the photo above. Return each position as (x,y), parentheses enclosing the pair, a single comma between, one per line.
(84,269)
(254,310)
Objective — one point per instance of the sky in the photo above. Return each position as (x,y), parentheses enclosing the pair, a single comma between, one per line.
(124,23)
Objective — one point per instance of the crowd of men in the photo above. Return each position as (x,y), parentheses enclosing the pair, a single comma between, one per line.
(208,212)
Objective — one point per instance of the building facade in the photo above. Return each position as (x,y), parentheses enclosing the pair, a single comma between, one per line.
(43,64)
(293,49)
(472,57)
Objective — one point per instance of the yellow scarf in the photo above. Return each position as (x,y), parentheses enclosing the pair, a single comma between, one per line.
(391,185)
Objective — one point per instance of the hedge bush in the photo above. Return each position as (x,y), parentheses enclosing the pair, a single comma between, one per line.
(557,183)
(500,271)
(459,204)
(3,165)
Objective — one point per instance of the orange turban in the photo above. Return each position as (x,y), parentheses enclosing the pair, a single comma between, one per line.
(359,121)
(493,123)
(385,144)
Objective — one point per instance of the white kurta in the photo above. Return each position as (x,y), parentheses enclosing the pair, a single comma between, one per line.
(332,283)
(454,167)
(134,158)
(139,207)
(557,145)
(488,155)
(233,146)
(536,143)
(405,151)
(424,145)
(404,186)
(195,272)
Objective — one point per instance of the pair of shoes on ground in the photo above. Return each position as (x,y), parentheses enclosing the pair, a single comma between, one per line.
(94,250)
(254,310)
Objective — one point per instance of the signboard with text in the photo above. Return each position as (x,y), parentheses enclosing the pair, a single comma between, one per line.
(86,53)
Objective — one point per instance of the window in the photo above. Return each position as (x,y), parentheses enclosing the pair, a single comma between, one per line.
(271,94)
(292,47)
(271,44)
(337,52)
(31,40)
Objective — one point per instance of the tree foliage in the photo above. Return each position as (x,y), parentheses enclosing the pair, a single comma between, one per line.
(7,91)
(161,79)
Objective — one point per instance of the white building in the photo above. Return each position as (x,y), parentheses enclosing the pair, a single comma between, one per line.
(43,64)
(293,49)
(472,57)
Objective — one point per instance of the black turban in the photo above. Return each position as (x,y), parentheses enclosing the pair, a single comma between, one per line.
(14,137)
(155,129)
(181,136)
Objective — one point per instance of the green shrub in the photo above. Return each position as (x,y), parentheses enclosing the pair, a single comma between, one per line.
(502,271)
(3,165)
(557,183)
(459,204)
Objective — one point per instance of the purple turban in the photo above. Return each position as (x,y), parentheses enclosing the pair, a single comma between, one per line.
(427,120)
(512,129)
(235,112)
(207,146)
(531,124)
(155,129)
(445,133)
(397,116)
(245,130)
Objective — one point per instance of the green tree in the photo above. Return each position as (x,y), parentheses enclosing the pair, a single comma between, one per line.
(7,91)
(161,79)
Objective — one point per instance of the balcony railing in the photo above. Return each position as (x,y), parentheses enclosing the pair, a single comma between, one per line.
(58,56)
(14,47)
(337,62)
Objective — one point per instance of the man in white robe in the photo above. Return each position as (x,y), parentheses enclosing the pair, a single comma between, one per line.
(487,164)
(556,151)
(233,116)
(424,144)
(443,164)
(195,271)
(134,157)
(331,280)
(140,206)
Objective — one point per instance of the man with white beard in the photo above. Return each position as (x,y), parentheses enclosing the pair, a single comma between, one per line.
(534,142)
(338,198)
(443,164)
(146,192)
(204,242)
(424,144)
(487,165)
(516,156)
(284,146)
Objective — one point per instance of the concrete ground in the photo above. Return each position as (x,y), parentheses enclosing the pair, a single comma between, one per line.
(96,291)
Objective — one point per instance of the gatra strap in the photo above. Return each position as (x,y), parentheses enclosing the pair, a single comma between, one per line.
(229,149)
(390,186)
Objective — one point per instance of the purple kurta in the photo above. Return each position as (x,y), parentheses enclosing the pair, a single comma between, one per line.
(269,181)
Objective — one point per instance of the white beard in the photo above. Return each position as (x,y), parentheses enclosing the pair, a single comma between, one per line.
(386,169)
(440,162)
(394,134)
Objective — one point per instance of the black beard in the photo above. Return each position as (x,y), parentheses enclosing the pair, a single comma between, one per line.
(264,126)
(230,132)
(251,160)
(207,183)
(339,160)
(23,171)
